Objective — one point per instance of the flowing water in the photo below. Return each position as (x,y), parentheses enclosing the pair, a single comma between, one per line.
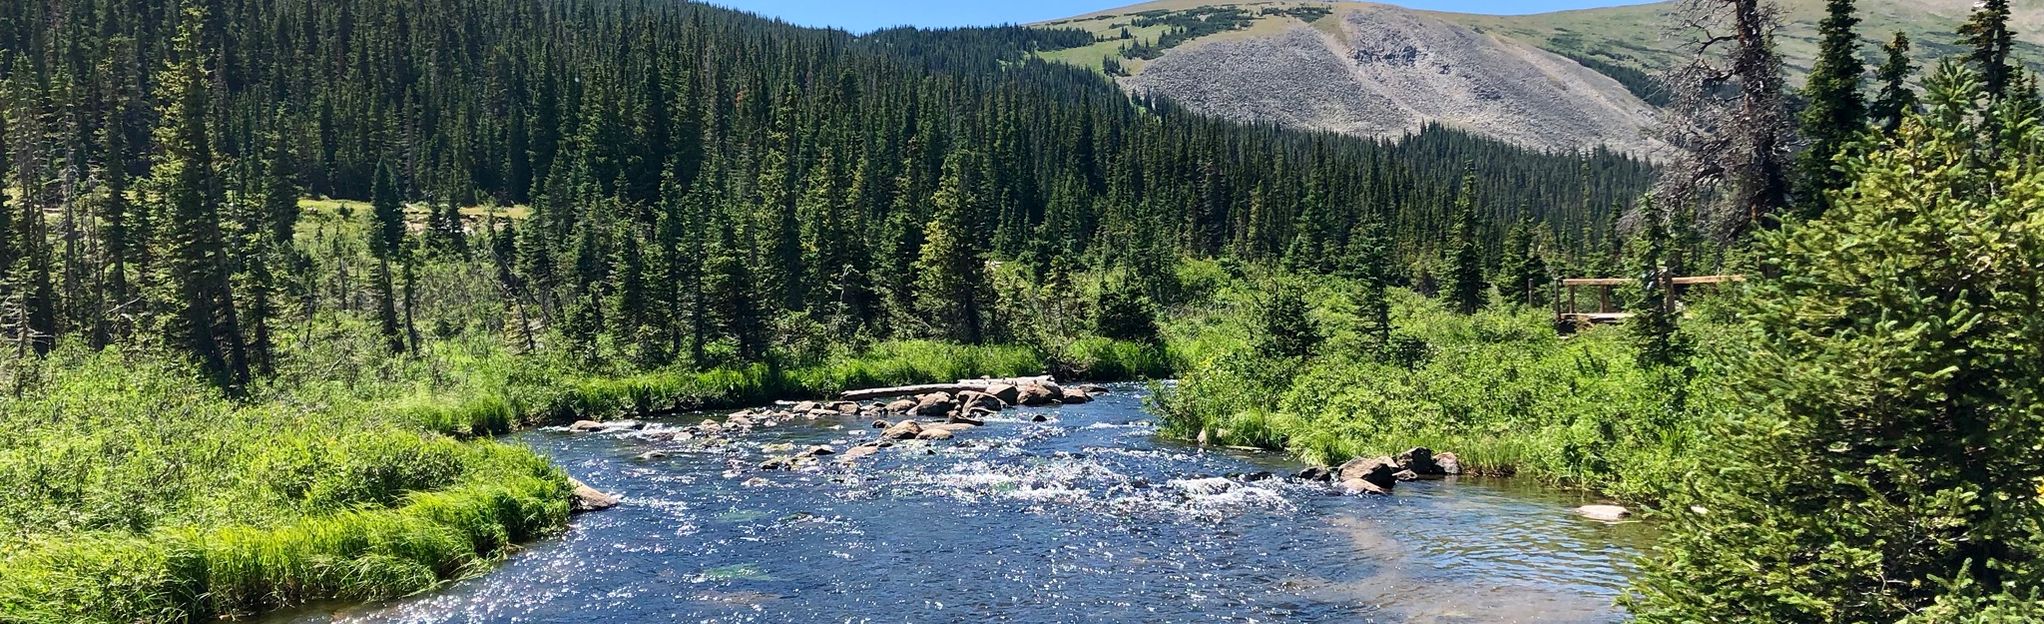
(1087,517)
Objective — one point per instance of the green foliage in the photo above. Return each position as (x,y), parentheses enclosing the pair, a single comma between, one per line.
(1499,389)
(1466,287)
(1287,329)
(1123,313)
(1834,114)
(1895,101)
(1876,458)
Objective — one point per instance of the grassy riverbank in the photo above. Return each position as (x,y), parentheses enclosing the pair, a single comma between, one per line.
(1499,388)
(136,493)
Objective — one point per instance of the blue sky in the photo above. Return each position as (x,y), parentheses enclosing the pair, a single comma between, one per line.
(865,15)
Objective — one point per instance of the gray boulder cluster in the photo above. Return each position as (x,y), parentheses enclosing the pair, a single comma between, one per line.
(930,417)
(1380,475)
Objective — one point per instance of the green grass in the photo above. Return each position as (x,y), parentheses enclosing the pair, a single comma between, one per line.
(1500,389)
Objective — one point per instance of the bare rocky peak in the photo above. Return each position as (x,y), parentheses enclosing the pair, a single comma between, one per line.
(1382,71)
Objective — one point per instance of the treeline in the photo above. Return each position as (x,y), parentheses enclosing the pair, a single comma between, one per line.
(683,176)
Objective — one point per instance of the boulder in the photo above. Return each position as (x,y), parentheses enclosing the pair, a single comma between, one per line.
(1377,471)
(778,448)
(1036,394)
(1314,473)
(846,407)
(818,450)
(933,405)
(738,420)
(1420,460)
(1604,513)
(805,406)
(934,434)
(1007,393)
(585,426)
(1363,486)
(969,401)
(902,431)
(1448,463)
(1252,477)
(881,424)
(1405,475)
(1075,397)
(1093,389)
(857,452)
(953,427)
(586,499)
(968,419)
(901,406)
(778,463)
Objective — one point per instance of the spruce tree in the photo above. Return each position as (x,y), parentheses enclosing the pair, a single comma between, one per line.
(1284,320)
(1877,459)
(197,297)
(1653,325)
(387,246)
(1988,34)
(952,291)
(1896,100)
(1465,270)
(1835,114)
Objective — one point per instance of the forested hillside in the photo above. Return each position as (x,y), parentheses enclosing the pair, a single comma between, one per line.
(678,175)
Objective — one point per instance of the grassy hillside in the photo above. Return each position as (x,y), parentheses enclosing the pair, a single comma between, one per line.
(1636,36)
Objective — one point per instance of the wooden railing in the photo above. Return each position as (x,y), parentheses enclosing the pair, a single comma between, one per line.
(1568,310)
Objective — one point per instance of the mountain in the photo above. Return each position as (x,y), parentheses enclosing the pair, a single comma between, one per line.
(1563,80)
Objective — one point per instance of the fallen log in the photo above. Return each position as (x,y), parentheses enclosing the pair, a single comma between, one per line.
(961,385)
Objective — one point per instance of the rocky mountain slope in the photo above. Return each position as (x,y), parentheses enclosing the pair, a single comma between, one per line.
(1565,80)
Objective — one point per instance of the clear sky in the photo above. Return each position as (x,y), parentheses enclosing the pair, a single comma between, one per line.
(866,15)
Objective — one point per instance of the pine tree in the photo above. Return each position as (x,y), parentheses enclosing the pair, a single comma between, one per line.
(1285,322)
(952,294)
(1371,254)
(1988,34)
(1835,114)
(1123,312)
(1522,274)
(197,297)
(387,246)
(1896,100)
(1465,271)
(1877,460)
(1654,322)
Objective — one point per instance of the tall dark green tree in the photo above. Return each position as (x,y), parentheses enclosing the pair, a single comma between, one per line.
(1465,261)
(952,291)
(1654,324)
(1834,114)
(197,296)
(1896,100)
(387,246)
(1992,42)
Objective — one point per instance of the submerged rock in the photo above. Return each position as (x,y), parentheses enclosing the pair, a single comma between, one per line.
(1314,473)
(1093,389)
(586,499)
(1076,397)
(817,451)
(585,426)
(1604,513)
(651,455)
(857,452)
(934,434)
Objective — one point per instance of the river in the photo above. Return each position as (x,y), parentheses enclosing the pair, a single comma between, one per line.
(1086,517)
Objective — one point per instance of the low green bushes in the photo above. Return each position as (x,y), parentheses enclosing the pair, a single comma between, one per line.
(1500,389)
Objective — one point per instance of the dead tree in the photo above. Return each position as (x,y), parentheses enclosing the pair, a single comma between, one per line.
(1727,120)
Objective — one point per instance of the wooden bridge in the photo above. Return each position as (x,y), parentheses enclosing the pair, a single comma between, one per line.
(1568,311)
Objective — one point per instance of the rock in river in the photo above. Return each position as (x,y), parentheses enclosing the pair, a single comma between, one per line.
(1604,513)
(1381,472)
(586,499)
(934,434)
(902,431)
